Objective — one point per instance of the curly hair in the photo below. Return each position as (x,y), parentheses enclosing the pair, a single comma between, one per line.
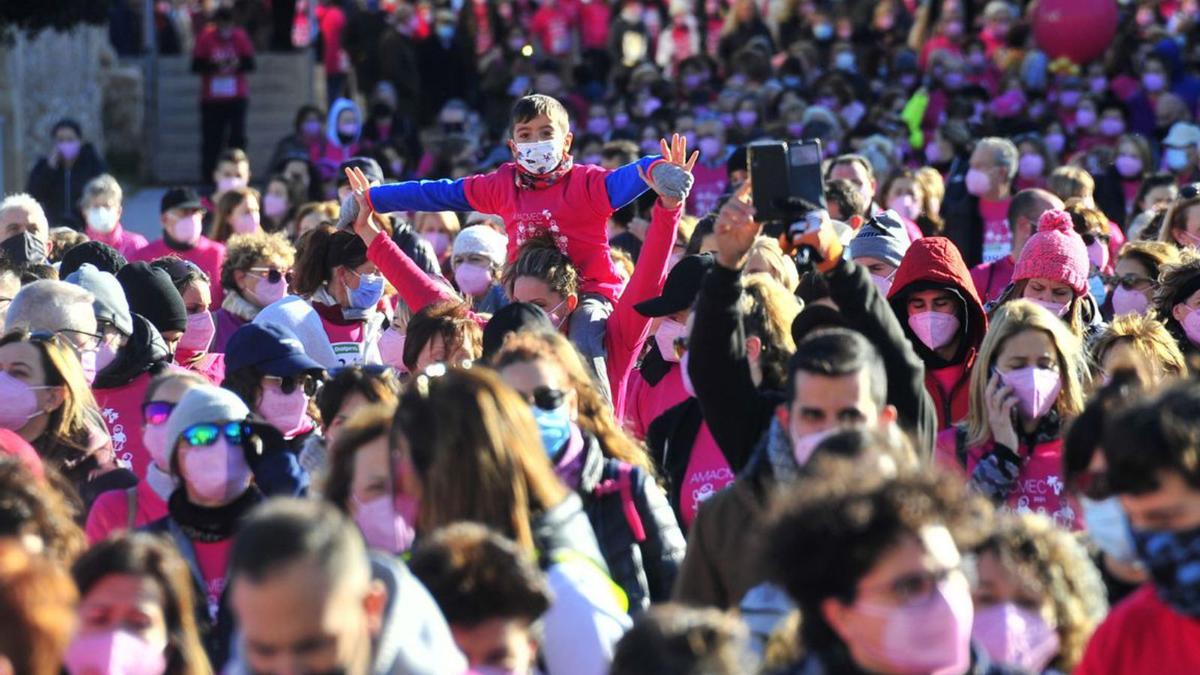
(768,310)
(32,507)
(1054,565)
(1158,354)
(824,537)
(540,258)
(244,251)
(1172,280)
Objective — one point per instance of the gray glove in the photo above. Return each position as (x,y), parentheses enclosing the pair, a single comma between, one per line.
(670,180)
(349,213)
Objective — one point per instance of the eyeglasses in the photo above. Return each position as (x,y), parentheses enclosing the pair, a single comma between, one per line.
(201,435)
(289,383)
(155,413)
(1131,282)
(1189,191)
(271,274)
(82,341)
(911,589)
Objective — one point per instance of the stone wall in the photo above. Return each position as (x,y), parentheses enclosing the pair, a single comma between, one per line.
(54,75)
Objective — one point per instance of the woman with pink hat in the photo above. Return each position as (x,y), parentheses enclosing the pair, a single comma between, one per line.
(1053,272)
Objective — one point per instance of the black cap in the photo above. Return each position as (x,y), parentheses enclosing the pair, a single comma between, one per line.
(152,294)
(103,256)
(178,269)
(180,198)
(681,288)
(815,317)
(271,348)
(513,318)
(370,169)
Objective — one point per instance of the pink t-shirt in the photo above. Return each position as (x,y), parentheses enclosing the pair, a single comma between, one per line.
(707,474)
(347,341)
(121,408)
(992,278)
(207,254)
(213,558)
(707,188)
(110,511)
(573,212)
(645,402)
(997,239)
(128,243)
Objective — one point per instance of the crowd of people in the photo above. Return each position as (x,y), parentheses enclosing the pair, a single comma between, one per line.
(501,373)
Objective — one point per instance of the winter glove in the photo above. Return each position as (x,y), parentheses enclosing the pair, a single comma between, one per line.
(671,180)
(349,213)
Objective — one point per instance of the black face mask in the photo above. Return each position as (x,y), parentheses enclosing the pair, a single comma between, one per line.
(26,247)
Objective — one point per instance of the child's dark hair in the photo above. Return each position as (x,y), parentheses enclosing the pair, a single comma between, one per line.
(678,640)
(528,107)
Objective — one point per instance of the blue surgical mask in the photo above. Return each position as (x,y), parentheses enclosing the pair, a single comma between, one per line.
(370,289)
(1173,560)
(554,427)
(1108,526)
(1097,289)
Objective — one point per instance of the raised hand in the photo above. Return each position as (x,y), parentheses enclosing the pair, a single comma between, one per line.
(356,210)
(736,229)
(1001,399)
(672,177)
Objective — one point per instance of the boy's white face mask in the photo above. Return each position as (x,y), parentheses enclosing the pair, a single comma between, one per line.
(541,157)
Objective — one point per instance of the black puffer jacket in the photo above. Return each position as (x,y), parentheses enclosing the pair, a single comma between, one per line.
(564,528)
(645,569)
(145,352)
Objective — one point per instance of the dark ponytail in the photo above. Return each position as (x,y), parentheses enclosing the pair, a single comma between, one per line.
(319,251)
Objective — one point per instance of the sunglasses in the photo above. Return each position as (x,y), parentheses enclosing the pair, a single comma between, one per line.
(155,413)
(1090,238)
(289,383)
(271,274)
(547,398)
(201,435)
(1189,191)
(1131,282)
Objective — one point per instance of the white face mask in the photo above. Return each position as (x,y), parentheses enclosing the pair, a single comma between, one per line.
(541,157)
(101,219)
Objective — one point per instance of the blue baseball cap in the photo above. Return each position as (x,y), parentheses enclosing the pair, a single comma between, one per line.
(272,349)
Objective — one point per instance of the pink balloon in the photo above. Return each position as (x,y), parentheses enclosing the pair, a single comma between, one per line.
(1078,29)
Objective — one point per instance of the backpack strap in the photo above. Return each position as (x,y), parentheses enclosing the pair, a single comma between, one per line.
(960,444)
(131,503)
(623,485)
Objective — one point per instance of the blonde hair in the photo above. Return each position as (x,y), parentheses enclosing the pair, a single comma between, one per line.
(1054,564)
(1011,319)
(1152,254)
(595,414)
(1158,355)
(779,266)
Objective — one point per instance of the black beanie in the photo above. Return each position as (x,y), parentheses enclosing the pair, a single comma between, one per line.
(152,295)
(103,256)
(512,318)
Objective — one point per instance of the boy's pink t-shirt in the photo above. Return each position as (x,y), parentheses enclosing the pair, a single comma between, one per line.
(573,212)
(997,238)
(213,559)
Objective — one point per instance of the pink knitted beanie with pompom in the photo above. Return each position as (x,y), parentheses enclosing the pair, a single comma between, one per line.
(1055,252)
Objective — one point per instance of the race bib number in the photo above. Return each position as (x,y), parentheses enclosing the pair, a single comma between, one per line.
(348,353)
(224,87)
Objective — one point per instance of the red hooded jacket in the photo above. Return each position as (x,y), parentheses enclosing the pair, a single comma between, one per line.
(935,262)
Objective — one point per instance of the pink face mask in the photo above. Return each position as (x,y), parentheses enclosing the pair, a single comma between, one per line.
(1036,389)
(187,229)
(1129,301)
(978,182)
(285,412)
(669,331)
(934,329)
(472,279)
(1191,326)
(1054,308)
(1015,636)
(274,206)
(388,524)
(266,293)
(932,635)
(227,183)
(905,205)
(115,651)
(216,473)
(440,241)
(1128,166)
(884,284)
(804,446)
(1098,254)
(247,223)
(20,402)
(391,349)
(199,333)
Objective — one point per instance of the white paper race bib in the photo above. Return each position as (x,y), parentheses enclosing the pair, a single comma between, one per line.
(224,87)
(348,353)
